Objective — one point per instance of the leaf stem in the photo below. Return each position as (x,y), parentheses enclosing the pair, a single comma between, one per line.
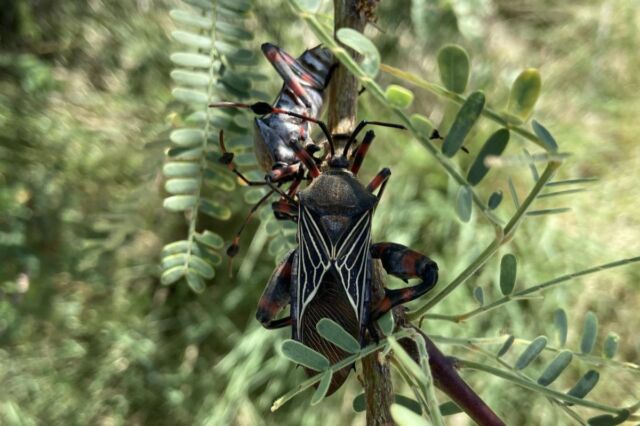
(336,367)
(459,99)
(472,342)
(513,378)
(531,290)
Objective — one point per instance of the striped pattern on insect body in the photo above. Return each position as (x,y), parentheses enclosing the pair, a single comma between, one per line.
(329,274)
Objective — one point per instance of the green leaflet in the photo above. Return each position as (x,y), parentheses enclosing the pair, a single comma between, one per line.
(464,121)
(453,64)
(524,94)
(555,368)
(494,146)
(361,44)
(508,273)
(333,332)
(531,352)
(304,355)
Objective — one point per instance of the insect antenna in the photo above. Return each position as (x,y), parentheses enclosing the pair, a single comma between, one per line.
(361,126)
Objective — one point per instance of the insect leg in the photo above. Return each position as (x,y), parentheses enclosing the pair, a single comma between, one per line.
(358,157)
(234,247)
(227,160)
(276,296)
(403,263)
(379,180)
(362,125)
(284,209)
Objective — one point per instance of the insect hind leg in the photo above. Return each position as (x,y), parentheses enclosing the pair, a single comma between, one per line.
(276,296)
(403,263)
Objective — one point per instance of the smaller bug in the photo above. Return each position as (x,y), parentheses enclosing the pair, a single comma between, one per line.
(303,93)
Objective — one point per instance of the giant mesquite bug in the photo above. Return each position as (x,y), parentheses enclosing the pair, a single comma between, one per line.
(303,93)
(329,274)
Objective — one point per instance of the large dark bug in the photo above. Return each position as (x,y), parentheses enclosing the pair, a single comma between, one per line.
(329,274)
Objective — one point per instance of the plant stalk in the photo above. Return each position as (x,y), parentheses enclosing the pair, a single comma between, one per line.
(343,109)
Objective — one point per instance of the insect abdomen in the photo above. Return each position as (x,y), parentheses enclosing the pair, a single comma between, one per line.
(329,302)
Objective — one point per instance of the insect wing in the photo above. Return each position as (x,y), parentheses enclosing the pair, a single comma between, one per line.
(284,65)
(353,263)
(313,262)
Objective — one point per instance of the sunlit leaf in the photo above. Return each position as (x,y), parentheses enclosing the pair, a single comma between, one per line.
(191,39)
(361,44)
(323,387)
(508,273)
(405,417)
(181,186)
(585,384)
(359,403)
(453,64)
(191,60)
(190,78)
(333,332)
(555,368)
(494,146)
(464,201)
(179,202)
(304,355)
(172,275)
(181,169)
(214,209)
(187,137)
(524,93)
(398,96)
(421,124)
(178,259)
(175,247)
(589,333)
(201,267)
(210,239)
(405,359)
(464,121)
(195,282)
(190,96)
(187,18)
(531,352)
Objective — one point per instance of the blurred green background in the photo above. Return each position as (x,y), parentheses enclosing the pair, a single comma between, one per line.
(89,336)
